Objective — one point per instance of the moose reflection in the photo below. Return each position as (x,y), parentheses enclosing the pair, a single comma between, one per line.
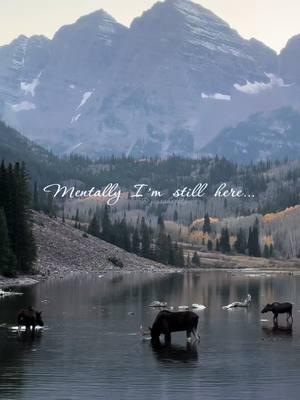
(277,330)
(170,353)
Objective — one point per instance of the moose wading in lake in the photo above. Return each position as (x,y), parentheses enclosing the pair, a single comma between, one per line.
(30,318)
(167,322)
(279,308)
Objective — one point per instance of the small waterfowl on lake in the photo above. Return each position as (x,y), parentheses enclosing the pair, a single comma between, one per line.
(245,303)
(167,322)
(279,308)
(30,318)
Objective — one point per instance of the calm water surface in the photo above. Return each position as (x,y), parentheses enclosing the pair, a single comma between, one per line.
(91,349)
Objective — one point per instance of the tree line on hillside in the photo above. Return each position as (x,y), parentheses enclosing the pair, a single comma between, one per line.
(272,191)
(243,244)
(17,245)
(139,239)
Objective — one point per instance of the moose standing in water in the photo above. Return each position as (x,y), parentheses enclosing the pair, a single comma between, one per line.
(30,318)
(279,308)
(167,322)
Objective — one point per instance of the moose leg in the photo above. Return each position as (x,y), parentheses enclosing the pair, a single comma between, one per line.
(168,337)
(33,330)
(275,319)
(188,335)
(196,334)
(19,327)
(290,317)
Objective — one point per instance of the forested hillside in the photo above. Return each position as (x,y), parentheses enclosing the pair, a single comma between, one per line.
(17,246)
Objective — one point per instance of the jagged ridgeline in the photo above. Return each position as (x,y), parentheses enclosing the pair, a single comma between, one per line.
(170,83)
(17,245)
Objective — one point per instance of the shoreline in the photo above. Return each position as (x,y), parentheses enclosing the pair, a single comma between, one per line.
(31,280)
(64,251)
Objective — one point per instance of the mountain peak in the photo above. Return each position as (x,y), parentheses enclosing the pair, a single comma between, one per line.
(98,16)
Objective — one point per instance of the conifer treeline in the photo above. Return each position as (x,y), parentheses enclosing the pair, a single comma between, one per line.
(17,246)
(242,245)
(139,239)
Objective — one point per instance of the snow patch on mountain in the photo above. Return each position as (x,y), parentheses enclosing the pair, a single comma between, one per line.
(30,87)
(23,106)
(258,87)
(85,98)
(216,96)
(75,118)
(72,149)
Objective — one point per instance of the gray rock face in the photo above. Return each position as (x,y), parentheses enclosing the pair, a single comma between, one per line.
(289,60)
(268,135)
(49,86)
(166,85)
(21,63)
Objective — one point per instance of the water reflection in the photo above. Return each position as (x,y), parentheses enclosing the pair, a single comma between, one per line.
(166,353)
(278,330)
(93,350)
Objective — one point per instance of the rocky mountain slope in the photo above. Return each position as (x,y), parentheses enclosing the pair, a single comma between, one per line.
(266,135)
(288,60)
(168,84)
(62,249)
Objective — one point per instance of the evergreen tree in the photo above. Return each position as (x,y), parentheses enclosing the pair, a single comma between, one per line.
(179,256)
(175,216)
(145,239)
(15,200)
(188,261)
(209,245)
(76,218)
(22,240)
(135,242)
(196,259)
(217,245)
(253,241)
(271,250)
(161,223)
(171,252)
(94,228)
(206,225)
(35,201)
(225,241)
(122,235)
(240,244)
(63,220)
(266,252)
(162,248)
(106,225)
(7,258)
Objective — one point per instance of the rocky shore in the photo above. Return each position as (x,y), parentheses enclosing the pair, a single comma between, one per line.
(64,250)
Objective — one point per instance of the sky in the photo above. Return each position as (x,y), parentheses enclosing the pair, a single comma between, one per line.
(271,21)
